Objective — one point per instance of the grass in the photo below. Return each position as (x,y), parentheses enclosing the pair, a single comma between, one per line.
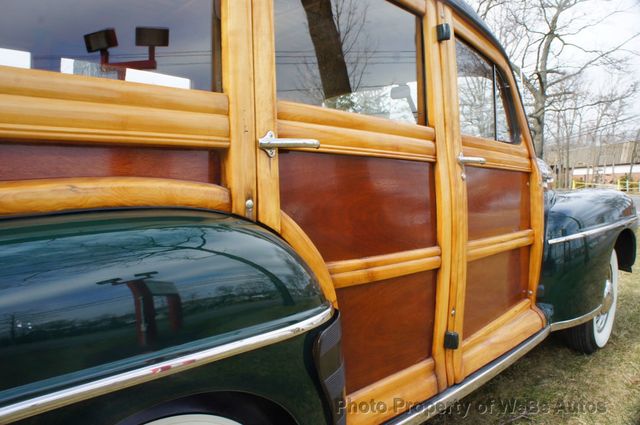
(553,385)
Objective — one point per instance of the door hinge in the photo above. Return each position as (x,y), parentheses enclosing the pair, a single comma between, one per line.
(451,340)
(443,31)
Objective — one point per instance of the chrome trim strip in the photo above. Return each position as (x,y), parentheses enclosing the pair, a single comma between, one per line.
(575,322)
(61,398)
(420,413)
(592,231)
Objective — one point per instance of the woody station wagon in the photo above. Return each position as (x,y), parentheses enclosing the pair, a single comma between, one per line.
(277,212)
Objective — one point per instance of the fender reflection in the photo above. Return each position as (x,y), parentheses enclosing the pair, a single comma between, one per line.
(593,231)
(51,401)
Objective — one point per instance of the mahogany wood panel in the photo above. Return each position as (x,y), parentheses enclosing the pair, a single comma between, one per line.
(498,202)
(21,161)
(387,326)
(494,285)
(354,207)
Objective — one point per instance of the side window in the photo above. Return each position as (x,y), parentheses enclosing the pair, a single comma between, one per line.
(357,56)
(163,42)
(485,106)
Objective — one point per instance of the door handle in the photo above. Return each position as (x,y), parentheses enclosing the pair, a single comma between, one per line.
(269,143)
(464,160)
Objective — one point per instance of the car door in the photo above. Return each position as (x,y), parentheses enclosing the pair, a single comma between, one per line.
(498,228)
(366,198)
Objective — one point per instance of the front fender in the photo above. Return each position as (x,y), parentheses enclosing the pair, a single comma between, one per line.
(90,295)
(581,229)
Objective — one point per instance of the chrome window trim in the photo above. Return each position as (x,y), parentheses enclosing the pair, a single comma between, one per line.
(37,405)
(420,413)
(592,231)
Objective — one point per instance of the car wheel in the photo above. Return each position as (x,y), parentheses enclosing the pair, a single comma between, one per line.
(194,419)
(594,334)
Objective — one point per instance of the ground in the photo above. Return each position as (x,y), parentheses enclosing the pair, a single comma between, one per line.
(553,385)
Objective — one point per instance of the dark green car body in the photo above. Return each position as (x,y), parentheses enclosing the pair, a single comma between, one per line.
(97,296)
(581,229)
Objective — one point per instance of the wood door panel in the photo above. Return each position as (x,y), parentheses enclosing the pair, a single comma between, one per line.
(498,202)
(494,285)
(387,326)
(354,207)
(22,161)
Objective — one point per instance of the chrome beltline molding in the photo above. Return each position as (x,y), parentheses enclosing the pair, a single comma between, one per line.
(593,231)
(575,322)
(433,406)
(64,397)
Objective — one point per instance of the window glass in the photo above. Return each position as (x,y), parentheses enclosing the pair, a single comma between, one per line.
(483,96)
(52,36)
(354,55)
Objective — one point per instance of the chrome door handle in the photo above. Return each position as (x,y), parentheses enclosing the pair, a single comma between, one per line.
(269,143)
(464,160)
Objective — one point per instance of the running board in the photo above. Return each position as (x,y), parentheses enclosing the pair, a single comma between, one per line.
(423,411)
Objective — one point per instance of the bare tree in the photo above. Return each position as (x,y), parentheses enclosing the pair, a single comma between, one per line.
(542,38)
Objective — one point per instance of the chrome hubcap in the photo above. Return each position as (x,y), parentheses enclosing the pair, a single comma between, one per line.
(607,302)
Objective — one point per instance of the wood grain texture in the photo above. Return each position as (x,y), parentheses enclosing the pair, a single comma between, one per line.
(481,248)
(498,202)
(44,106)
(300,242)
(50,85)
(502,340)
(239,162)
(494,285)
(359,142)
(498,159)
(20,161)
(268,202)
(397,391)
(519,150)
(290,111)
(459,193)
(52,195)
(444,169)
(354,207)
(496,324)
(382,272)
(387,327)
(337,267)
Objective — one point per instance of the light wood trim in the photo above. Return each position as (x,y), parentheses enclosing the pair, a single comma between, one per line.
(45,120)
(416,6)
(300,242)
(343,266)
(373,269)
(268,202)
(470,341)
(444,176)
(460,221)
(411,385)
(493,145)
(500,341)
(53,195)
(239,163)
(498,160)
(359,142)
(291,111)
(481,248)
(53,85)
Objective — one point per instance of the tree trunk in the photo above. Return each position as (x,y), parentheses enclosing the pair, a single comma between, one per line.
(328,46)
